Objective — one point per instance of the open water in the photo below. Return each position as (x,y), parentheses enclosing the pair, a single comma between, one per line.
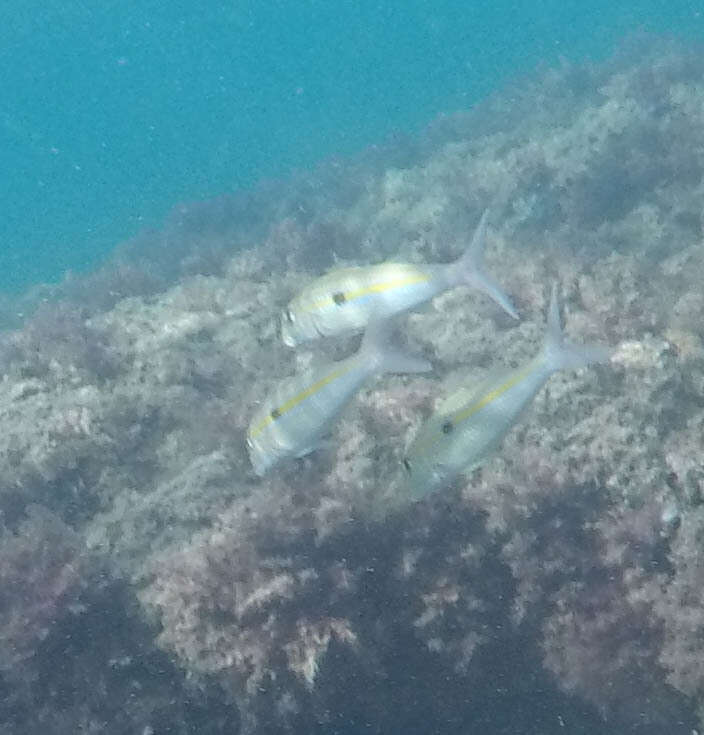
(113,112)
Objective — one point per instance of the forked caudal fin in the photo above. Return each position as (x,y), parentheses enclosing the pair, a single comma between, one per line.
(469,269)
(378,348)
(562,355)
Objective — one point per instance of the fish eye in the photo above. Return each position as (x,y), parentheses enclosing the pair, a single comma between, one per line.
(407,465)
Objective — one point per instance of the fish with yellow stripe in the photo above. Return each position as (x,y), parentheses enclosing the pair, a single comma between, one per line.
(472,421)
(346,299)
(301,410)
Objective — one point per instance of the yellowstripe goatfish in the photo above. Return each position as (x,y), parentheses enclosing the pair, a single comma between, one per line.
(301,410)
(346,299)
(471,422)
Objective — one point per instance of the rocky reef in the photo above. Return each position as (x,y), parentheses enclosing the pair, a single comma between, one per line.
(150,583)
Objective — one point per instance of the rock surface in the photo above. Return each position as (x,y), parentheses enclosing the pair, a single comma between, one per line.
(559,584)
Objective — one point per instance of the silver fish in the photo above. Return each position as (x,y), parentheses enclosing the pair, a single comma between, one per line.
(346,299)
(301,410)
(471,422)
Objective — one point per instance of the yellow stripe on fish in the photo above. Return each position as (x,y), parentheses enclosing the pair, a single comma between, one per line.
(347,299)
(342,297)
(451,421)
(284,408)
(302,409)
(491,396)
(471,422)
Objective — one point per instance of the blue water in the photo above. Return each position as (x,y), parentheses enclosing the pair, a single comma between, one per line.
(111,116)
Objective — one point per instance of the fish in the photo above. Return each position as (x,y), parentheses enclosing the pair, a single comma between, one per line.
(470,423)
(301,410)
(346,299)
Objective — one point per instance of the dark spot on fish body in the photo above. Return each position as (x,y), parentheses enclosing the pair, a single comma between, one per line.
(447,427)
(275,414)
(339,298)
(407,465)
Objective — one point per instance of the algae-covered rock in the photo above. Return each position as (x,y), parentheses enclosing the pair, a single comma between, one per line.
(556,584)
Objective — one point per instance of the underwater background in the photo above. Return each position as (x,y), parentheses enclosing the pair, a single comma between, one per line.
(113,114)
(174,175)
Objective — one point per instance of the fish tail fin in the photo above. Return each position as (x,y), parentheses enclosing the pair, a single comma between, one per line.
(562,355)
(469,269)
(378,348)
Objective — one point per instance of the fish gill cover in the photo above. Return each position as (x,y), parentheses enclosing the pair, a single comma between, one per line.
(149,583)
